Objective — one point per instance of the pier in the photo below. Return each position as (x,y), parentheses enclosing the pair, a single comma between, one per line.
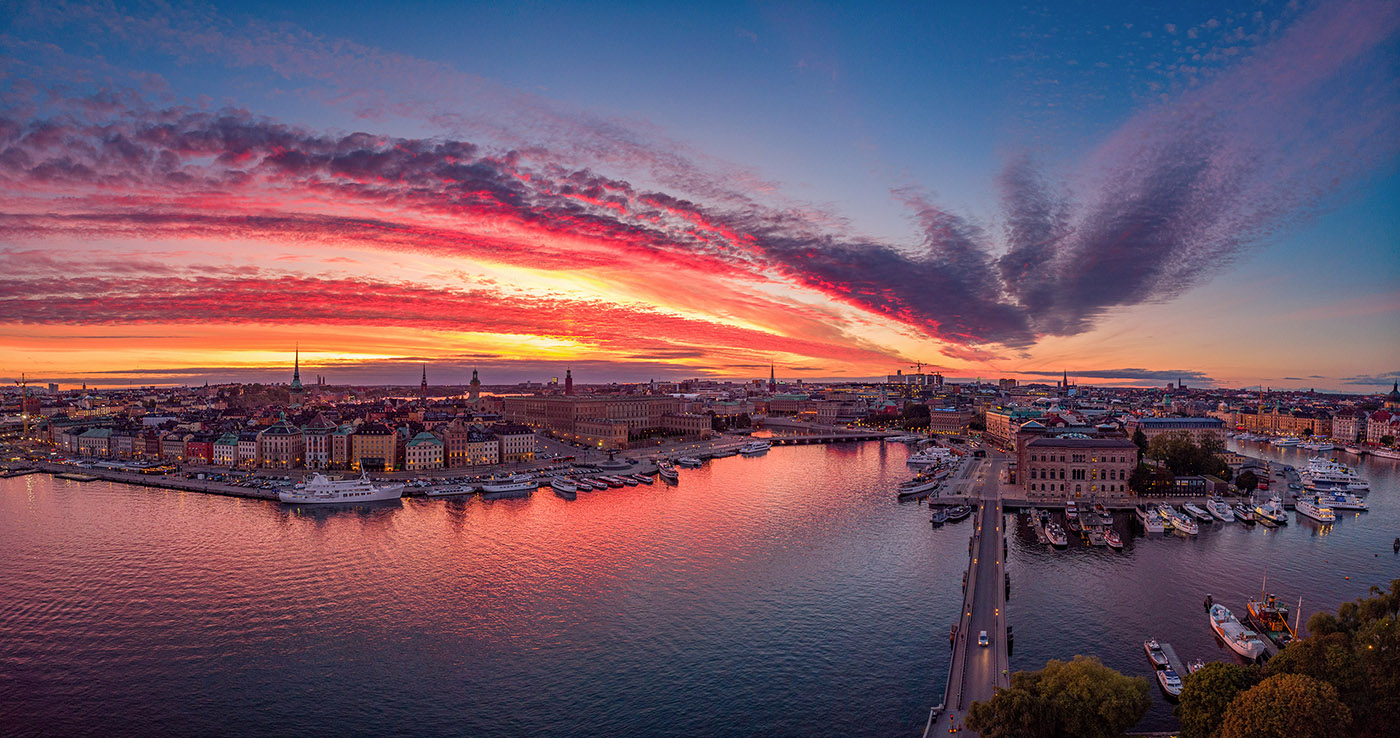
(977,671)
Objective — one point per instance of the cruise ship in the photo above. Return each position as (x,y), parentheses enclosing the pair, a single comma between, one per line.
(1319,511)
(754,448)
(1342,501)
(324,490)
(1240,639)
(1285,441)
(516,483)
(1325,475)
(933,455)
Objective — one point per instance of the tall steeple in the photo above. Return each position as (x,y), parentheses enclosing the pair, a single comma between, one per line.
(1064,382)
(296,368)
(475,391)
(423,388)
(772,378)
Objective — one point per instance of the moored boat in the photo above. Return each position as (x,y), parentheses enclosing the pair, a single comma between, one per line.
(939,517)
(1310,507)
(958,512)
(564,488)
(1170,683)
(1151,522)
(1272,511)
(1240,639)
(513,483)
(322,490)
(1196,512)
(1271,618)
(1342,501)
(1111,537)
(1244,513)
(449,490)
(1056,535)
(667,472)
(1220,510)
(755,448)
(689,462)
(1155,654)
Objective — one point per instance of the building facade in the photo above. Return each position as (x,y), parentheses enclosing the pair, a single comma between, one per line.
(423,451)
(1198,428)
(1076,467)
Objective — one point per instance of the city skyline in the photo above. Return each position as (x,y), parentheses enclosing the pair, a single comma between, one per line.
(1131,194)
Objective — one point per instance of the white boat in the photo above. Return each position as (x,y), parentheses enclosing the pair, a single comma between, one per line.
(1325,475)
(1169,681)
(562,484)
(514,483)
(1384,453)
(644,479)
(755,448)
(1240,639)
(934,455)
(690,462)
(1181,522)
(1244,513)
(1220,510)
(1351,449)
(905,439)
(1057,536)
(667,472)
(1342,501)
(1285,442)
(1155,654)
(1196,512)
(920,485)
(1111,537)
(449,490)
(1272,511)
(1151,522)
(324,490)
(1310,507)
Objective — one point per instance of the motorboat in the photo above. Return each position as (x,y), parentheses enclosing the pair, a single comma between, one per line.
(939,517)
(1195,666)
(1169,681)
(958,512)
(1311,508)
(1196,512)
(448,490)
(689,462)
(755,448)
(644,479)
(1181,523)
(1151,522)
(1240,639)
(1103,513)
(1244,513)
(1056,535)
(1155,654)
(1272,511)
(667,472)
(1111,537)
(1220,510)
(564,488)
(919,486)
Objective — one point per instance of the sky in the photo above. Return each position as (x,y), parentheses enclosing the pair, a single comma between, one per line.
(1134,195)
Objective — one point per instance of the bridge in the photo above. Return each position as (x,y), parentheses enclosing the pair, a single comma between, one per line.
(804,438)
(977,671)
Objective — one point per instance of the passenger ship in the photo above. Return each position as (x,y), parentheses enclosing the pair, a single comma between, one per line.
(1325,475)
(323,490)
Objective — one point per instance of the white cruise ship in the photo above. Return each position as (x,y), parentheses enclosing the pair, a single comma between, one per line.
(516,483)
(754,448)
(1240,639)
(1325,475)
(932,455)
(324,490)
(1316,510)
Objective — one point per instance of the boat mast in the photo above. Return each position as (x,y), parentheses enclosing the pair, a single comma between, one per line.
(1298,616)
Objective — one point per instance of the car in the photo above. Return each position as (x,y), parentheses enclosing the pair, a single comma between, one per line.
(982,639)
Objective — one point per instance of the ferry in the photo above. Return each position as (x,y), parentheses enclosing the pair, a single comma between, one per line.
(1325,475)
(935,455)
(449,490)
(1170,682)
(1310,507)
(689,462)
(1245,513)
(1196,512)
(644,479)
(755,448)
(324,490)
(1271,618)
(1342,501)
(1240,639)
(1181,523)
(1155,654)
(1272,511)
(1220,510)
(1151,522)
(1384,453)
(564,488)
(1285,441)
(667,472)
(514,483)
(920,486)
(721,453)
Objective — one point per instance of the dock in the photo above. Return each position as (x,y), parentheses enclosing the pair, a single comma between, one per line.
(1174,661)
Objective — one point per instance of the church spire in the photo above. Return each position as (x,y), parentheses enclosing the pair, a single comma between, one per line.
(296,368)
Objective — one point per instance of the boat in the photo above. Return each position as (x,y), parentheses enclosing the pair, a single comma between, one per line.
(1220,510)
(1071,509)
(1103,513)
(1285,442)
(721,453)
(644,479)
(1169,681)
(1196,512)
(1194,666)
(1244,513)
(1271,618)
(1111,537)
(1056,535)
(449,490)
(564,488)
(939,517)
(958,512)
(1181,523)
(1272,511)
(627,480)
(667,472)
(1342,501)
(513,483)
(1150,520)
(689,462)
(755,448)
(1384,453)
(1310,507)
(324,490)
(934,455)
(919,486)
(1240,639)
(1325,475)
(1155,654)
(904,439)
(1353,450)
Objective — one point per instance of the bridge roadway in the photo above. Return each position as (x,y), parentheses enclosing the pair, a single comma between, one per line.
(976,671)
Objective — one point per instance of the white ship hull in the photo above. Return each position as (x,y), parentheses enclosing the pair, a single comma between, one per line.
(321,491)
(1241,640)
(508,487)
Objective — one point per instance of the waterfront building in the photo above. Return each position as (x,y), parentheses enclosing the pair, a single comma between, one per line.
(94,442)
(1347,425)
(172,445)
(423,451)
(342,446)
(482,447)
(1076,466)
(375,449)
(787,404)
(561,414)
(948,420)
(1380,424)
(226,450)
(517,442)
(316,438)
(281,446)
(248,448)
(199,448)
(123,444)
(1198,428)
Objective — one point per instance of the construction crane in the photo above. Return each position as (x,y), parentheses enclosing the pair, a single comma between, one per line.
(23,385)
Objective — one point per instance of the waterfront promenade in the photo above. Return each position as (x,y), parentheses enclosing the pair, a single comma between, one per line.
(977,671)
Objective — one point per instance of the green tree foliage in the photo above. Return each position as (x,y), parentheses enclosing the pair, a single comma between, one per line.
(1147,479)
(1287,706)
(1140,439)
(916,415)
(1387,440)
(1184,456)
(1247,481)
(1206,694)
(1067,699)
(1357,652)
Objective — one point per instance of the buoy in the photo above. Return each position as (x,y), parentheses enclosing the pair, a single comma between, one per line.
(1348,578)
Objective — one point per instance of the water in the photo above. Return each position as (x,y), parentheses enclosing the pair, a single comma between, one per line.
(787,594)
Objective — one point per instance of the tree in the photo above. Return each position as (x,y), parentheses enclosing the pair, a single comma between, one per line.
(1140,439)
(1184,456)
(1286,706)
(1206,694)
(1247,481)
(1387,440)
(1080,698)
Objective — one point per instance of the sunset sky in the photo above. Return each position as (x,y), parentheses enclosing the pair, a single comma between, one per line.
(662,190)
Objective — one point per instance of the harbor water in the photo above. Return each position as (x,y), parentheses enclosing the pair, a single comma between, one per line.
(785,594)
